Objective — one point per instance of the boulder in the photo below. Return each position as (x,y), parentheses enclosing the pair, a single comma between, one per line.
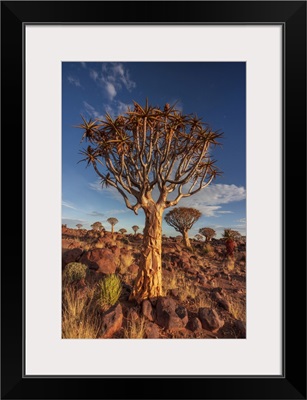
(132,315)
(174,292)
(71,256)
(194,324)
(147,310)
(112,321)
(210,319)
(103,260)
(221,302)
(152,331)
(170,315)
(240,329)
(133,268)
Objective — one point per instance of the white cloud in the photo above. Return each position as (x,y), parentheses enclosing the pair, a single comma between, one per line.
(212,196)
(94,74)
(116,212)
(110,192)
(67,204)
(92,111)
(122,108)
(74,81)
(96,214)
(242,220)
(111,91)
(208,211)
(117,108)
(208,201)
(96,186)
(113,77)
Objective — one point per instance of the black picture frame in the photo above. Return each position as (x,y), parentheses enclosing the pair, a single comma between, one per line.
(292,16)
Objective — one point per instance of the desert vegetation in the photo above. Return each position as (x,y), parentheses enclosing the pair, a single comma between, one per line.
(204,288)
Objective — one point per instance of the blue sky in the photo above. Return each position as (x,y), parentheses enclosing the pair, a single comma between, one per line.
(214,91)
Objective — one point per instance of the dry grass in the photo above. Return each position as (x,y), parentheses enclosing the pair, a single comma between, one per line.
(99,245)
(187,291)
(79,317)
(208,250)
(135,329)
(203,300)
(126,259)
(170,282)
(237,309)
(230,264)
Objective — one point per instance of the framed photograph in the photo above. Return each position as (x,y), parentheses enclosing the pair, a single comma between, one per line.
(163,150)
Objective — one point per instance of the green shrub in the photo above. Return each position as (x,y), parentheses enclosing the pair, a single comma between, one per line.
(109,290)
(74,272)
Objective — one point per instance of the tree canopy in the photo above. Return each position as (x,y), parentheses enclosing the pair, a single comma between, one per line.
(182,218)
(150,147)
(209,233)
(135,228)
(97,226)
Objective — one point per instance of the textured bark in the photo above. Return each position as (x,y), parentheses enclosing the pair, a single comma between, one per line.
(149,279)
(186,240)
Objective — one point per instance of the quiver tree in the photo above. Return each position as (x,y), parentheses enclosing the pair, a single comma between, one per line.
(123,231)
(112,221)
(182,219)
(97,226)
(209,233)
(79,226)
(230,233)
(230,237)
(145,149)
(135,228)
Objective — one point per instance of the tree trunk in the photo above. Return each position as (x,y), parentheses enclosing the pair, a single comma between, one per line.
(112,229)
(148,282)
(186,240)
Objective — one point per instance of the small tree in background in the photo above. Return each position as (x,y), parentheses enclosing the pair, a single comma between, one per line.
(147,149)
(112,221)
(209,233)
(236,235)
(135,228)
(230,233)
(182,219)
(79,226)
(97,226)
(123,231)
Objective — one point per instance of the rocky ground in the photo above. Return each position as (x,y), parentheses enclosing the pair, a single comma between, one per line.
(205,292)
